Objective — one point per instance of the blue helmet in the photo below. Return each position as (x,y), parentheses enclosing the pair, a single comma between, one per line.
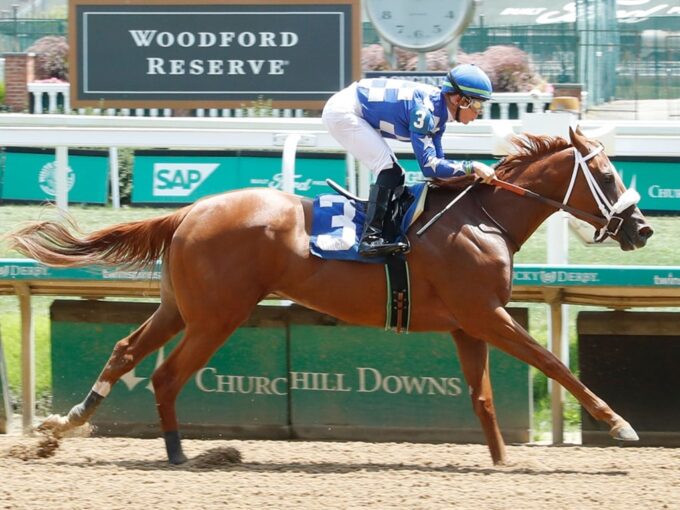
(468,80)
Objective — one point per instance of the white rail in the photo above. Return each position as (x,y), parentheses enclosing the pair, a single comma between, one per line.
(56,91)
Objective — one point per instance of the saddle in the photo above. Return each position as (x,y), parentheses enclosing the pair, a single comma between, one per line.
(336,228)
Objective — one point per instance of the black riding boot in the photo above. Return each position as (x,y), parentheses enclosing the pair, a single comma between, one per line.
(372,243)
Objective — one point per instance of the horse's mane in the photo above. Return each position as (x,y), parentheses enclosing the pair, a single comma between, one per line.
(527,149)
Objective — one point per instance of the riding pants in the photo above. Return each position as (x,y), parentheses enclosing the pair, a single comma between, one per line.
(342,118)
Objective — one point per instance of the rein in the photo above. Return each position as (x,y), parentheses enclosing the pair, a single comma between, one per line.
(609,223)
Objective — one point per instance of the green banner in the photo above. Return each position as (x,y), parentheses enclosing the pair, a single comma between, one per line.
(657,181)
(242,386)
(523,274)
(184,177)
(30,175)
(288,372)
(352,377)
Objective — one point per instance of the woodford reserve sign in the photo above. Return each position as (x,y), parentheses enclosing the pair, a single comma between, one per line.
(216,53)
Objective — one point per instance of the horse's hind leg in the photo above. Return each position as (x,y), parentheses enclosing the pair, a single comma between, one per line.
(474,360)
(156,331)
(201,340)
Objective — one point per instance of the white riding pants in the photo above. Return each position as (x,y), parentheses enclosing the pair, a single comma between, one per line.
(342,118)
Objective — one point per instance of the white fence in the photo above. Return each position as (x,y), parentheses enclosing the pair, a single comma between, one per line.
(49,97)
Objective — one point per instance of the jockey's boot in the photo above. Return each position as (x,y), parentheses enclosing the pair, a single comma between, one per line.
(372,243)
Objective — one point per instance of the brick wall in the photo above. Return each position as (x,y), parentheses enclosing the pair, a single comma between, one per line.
(19,70)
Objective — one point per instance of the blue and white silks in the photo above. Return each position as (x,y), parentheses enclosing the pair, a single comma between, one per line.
(337,224)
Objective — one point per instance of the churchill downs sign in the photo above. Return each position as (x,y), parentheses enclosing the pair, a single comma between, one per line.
(219,53)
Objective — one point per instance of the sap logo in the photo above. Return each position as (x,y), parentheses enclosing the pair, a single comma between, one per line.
(180,179)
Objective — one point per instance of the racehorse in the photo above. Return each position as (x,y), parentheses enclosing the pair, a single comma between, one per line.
(223,254)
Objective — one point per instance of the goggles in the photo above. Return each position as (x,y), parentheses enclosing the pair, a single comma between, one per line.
(475,104)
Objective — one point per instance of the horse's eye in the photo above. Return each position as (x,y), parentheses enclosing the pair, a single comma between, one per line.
(608,177)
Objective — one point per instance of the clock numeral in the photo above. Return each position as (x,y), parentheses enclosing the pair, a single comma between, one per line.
(418,34)
(400,29)
(450,14)
(437,29)
(386,14)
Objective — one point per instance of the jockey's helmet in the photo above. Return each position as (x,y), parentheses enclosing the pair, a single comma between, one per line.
(468,80)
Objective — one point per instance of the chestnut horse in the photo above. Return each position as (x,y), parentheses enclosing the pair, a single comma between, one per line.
(224,254)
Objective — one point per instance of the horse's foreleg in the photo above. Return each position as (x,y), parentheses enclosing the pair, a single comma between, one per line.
(474,360)
(127,353)
(500,330)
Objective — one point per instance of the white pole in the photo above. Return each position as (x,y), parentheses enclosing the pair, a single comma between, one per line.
(61,178)
(115,177)
(288,162)
(351,167)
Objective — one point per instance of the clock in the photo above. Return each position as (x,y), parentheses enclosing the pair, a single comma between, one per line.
(420,25)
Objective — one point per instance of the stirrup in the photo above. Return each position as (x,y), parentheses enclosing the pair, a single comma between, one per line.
(383,250)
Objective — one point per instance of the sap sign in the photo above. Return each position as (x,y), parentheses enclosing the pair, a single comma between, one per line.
(180,179)
(174,177)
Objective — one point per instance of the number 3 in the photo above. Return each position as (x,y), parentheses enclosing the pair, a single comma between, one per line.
(420,119)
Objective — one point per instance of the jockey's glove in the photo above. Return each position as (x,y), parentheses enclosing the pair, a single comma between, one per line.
(484,172)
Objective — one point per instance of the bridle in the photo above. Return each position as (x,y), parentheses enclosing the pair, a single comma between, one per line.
(611,220)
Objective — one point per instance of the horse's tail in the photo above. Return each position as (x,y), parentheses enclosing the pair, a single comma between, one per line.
(135,245)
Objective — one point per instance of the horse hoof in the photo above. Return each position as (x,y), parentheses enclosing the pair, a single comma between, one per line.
(176,460)
(54,423)
(624,432)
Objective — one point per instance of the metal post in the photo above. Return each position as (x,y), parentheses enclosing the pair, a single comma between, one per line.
(61,178)
(288,162)
(115,177)
(27,357)
(557,392)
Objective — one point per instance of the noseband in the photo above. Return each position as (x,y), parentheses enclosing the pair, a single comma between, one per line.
(610,212)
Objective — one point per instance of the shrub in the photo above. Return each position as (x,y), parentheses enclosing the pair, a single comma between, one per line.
(509,68)
(51,57)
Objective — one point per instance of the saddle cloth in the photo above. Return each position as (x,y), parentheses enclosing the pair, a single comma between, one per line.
(337,224)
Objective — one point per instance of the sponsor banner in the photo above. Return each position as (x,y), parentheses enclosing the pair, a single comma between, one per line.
(658,182)
(548,12)
(364,377)
(530,275)
(184,177)
(283,371)
(29,174)
(215,53)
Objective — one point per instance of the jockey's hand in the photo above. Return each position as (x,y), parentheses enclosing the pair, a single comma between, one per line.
(484,172)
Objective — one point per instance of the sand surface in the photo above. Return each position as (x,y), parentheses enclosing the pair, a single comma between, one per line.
(129,474)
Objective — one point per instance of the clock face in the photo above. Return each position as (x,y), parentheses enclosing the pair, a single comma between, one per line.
(419,24)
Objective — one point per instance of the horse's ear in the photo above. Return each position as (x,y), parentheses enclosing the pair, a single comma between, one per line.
(578,140)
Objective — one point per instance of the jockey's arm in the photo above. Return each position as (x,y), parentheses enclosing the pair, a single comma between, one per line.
(427,147)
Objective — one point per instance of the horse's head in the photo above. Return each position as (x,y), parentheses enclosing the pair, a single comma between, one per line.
(597,189)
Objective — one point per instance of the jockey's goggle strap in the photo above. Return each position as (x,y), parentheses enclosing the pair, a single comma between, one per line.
(628,198)
(467,102)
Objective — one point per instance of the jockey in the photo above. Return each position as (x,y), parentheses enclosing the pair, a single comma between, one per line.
(363,114)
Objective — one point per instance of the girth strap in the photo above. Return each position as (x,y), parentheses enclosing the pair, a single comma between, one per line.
(398,293)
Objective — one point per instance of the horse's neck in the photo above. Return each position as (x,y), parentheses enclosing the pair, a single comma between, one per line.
(520,216)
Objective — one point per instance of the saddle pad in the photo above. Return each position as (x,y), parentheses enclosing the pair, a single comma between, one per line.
(337,223)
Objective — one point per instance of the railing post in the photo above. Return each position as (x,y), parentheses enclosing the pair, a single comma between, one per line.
(27,356)
(37,101)
(61,178)
(115,178)
(288,162)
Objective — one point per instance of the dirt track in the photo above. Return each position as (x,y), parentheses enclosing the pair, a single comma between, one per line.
(124,473)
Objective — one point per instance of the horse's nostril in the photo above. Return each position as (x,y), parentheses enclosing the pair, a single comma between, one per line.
(646,232)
